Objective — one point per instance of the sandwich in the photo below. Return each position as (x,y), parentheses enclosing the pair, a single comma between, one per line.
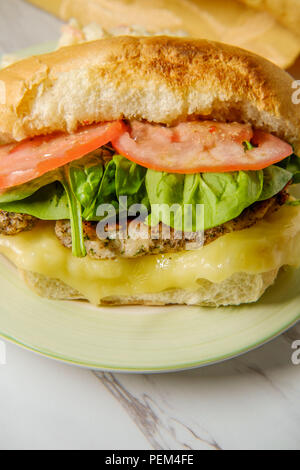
(104,145)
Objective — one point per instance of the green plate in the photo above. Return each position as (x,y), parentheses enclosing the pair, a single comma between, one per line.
(141,339)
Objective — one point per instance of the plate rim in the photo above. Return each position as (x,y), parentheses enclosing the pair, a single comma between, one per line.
(158,370)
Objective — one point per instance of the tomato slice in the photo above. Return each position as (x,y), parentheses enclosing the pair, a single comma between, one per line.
(200,147)
(23,162)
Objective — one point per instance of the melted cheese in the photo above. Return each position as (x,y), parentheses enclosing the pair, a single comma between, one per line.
(269,245)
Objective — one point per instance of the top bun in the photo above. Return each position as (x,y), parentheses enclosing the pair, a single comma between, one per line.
(161,80)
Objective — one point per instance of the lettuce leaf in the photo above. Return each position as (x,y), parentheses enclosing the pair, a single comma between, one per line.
(48,203)
(247,145)
(165,190)
(75,214)
(224,195)
(23,191)
(275,180)
(292,164)
(107,191)
(294,203)
(121,178)
(130,182)
(85,178)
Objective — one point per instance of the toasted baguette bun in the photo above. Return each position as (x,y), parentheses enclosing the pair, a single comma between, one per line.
(161,80)
(287,12)
(241,288)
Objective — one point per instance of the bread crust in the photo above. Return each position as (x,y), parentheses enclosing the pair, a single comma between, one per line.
(287,12)
(162,80)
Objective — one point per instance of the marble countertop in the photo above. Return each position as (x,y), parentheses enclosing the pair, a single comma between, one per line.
(247,403)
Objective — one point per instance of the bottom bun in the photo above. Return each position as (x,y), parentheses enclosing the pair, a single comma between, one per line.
(241,288)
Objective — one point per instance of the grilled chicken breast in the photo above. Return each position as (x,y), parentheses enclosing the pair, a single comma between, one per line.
(12,224)
(139,241)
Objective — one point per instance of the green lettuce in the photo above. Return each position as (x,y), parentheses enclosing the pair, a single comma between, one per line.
(247,145)
(107,193)
(165,190)
(48,203)
(75,214)
(294,203)
(130,182)
(224,195)
(85,179)
(292,164)
(275,180)
(121,178)
(23,191)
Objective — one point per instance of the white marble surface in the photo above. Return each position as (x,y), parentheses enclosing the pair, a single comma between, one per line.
(249,403)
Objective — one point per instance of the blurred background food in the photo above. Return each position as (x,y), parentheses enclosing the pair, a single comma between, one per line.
(267,27)
(287,12)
